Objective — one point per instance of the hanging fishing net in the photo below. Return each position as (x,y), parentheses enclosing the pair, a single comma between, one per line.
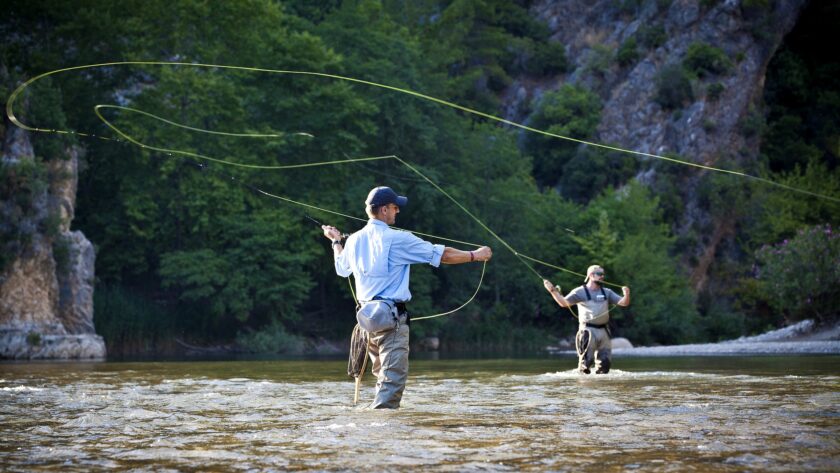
(358,352)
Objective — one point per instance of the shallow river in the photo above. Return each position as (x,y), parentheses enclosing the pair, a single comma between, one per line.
(654,414)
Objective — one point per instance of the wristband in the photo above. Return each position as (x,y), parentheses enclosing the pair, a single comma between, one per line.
(336,242)
(472,257)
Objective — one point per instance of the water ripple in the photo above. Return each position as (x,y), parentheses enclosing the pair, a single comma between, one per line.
(511,416)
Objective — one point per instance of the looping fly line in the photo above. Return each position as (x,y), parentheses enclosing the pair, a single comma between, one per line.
(522,258)
(13,97)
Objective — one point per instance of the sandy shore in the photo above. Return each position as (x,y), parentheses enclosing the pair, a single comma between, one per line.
(801,338)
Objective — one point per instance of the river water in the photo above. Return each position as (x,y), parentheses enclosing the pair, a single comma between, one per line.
(648,414)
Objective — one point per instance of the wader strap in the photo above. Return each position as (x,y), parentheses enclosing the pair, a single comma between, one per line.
(589,298)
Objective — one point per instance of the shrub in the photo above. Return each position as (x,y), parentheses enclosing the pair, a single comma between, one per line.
(673,87)
(548,59)
(21,184)
(801,276)
(271,339)
(62,254)
(713,91)
(652,37)
(752,123)
(704,59)
(600,58)
(33,338)
(627,53)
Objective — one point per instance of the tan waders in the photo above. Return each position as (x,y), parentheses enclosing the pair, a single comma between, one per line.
(593,347)
(389,355)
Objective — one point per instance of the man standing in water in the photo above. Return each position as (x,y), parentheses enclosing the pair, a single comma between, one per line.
(379,258)
(593,338)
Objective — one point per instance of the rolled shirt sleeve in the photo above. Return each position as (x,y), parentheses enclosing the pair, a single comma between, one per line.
(342,265)
(407,248)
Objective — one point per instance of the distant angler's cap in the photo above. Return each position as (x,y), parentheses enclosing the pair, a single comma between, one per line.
(591,270)
(385,195)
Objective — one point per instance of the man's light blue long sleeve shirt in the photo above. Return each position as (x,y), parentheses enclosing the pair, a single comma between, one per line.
(379,258)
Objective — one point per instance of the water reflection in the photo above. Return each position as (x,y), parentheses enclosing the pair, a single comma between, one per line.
(730,414)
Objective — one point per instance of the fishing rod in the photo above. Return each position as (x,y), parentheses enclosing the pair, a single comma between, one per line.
(343,235)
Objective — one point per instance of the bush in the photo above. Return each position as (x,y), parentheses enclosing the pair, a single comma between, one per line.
(713,91)
(599,60)
(704,59)
(62,254)
(652,37)
(627,53)
(271,339)
(33,339)
(21,184)
(673,87)
(752,123)
(548,59)
(801,276)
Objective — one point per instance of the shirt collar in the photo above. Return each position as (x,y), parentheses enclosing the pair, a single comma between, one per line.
(374,221)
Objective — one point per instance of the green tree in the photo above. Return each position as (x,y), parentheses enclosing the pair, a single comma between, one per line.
(570,111)
(662,309)
(673,87)
(801,277)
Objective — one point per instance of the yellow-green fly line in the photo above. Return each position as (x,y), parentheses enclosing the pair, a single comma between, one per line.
(123,136)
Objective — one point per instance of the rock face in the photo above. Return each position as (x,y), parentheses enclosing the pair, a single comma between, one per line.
(46,287)
(707,130)
(631,118)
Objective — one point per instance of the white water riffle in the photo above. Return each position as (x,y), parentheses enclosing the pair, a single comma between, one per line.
(723,414)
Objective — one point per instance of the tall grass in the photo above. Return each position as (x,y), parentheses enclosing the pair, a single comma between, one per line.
(131,324)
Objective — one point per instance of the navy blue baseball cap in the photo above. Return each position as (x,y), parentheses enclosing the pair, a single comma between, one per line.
(385,195)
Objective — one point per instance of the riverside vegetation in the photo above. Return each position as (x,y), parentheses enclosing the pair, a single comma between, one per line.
(185,252)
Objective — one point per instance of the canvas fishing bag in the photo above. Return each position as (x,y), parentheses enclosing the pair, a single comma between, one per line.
(377,315)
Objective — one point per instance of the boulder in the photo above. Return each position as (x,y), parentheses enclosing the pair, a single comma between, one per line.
(620,342)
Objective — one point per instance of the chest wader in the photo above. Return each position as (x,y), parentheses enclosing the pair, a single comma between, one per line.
(388,350)
(593,343)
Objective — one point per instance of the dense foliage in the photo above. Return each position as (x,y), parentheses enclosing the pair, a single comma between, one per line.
(800,277)
(192,251)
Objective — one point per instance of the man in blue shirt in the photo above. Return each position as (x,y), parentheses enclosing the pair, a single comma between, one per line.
(379,258)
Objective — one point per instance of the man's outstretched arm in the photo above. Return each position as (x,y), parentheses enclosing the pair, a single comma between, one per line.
(555,293)
(453,256)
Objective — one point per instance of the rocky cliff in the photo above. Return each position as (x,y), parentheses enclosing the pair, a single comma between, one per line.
(709,128)
(46,281)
